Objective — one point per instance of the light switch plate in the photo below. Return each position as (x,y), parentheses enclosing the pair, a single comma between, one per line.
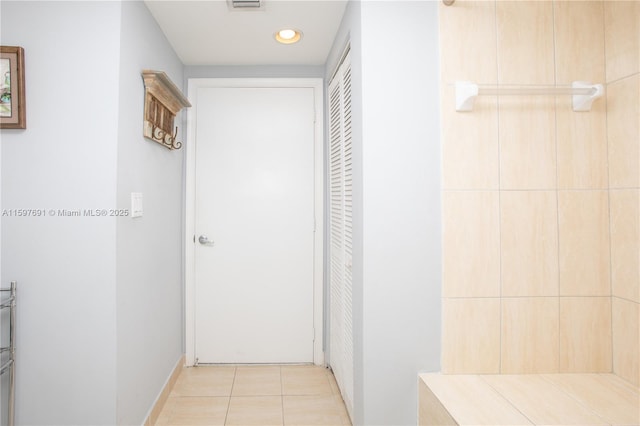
(136,204)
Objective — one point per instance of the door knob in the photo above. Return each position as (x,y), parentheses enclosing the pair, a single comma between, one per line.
(204,240)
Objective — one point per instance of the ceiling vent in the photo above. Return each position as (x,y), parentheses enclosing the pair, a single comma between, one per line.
(246,4)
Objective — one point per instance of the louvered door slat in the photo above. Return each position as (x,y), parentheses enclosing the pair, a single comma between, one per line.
(336,228)
(341,231)
(348,235)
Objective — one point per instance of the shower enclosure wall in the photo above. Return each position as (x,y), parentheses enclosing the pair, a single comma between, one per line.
(541,204)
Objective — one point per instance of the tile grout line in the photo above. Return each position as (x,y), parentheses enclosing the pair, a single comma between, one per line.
(511,403)
(281,393)
(575,398)
(557,188)
(500,283)
(309,390)
(226,415)
(605,99)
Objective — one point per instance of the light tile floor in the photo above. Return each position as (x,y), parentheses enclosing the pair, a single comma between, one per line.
(301,395)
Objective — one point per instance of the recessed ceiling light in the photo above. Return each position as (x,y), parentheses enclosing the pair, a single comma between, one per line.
(288,36)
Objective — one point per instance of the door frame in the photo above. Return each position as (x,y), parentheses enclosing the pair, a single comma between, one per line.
(193,85)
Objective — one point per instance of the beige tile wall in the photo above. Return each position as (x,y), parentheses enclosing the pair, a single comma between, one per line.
(529,242)
(622,48)
(472,326)
(471,252)
(541,205)
(583,222)
(529,335)
(585,334)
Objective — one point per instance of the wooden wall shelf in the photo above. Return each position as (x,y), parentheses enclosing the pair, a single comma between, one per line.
(163,100)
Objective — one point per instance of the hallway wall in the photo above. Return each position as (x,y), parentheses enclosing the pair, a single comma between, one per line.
(65,160)
(396,207)
(100,316)
(149,259)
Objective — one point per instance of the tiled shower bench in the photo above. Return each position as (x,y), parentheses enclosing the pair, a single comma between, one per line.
(538,399)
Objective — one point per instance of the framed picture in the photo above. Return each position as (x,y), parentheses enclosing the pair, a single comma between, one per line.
(12,98)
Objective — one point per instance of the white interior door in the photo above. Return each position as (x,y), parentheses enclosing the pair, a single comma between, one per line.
(254,202)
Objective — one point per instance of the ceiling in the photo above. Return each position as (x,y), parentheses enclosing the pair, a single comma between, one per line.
(210,32)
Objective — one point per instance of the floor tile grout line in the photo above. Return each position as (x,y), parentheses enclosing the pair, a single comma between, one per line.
(226,415)
(326,392)
(281,394)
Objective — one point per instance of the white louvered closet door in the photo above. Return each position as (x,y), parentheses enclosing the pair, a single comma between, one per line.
(341,231)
